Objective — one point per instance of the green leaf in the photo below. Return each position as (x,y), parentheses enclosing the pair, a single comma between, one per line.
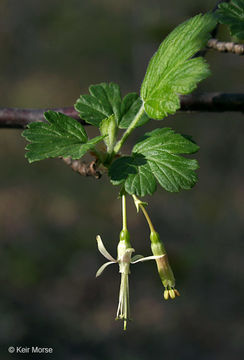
(130,106)
(155,159)
(135,172)
(109,128)
(104,100)
(59,136)
(232,14)
(172,71)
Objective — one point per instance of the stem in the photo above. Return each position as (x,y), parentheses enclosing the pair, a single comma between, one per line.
(124,212)
(124,236)
(15,118)
(224,46)
(147,218)
(145,213)
(129,130)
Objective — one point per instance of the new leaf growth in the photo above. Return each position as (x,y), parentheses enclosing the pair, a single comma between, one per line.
(172,71)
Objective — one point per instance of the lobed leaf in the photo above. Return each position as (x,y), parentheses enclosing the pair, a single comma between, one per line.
(171,71)
(155,159)
(104,100)
(60,136)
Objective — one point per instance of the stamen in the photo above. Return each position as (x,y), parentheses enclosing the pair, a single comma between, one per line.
(166,294)
(123,311)
(172,293)
(176,292)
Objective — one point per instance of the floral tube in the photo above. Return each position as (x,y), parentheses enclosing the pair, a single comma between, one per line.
(164,268)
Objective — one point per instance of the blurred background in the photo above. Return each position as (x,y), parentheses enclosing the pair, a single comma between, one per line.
(51,51)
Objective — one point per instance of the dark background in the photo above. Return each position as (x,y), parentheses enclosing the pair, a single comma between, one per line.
(51,51)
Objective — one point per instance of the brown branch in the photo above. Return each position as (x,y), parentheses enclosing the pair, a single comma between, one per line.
(212,102)
(20,118)
(224,46)
(83,168)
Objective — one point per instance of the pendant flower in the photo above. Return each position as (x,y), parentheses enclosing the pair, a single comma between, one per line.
(124,260)
(157,246)
(164,268)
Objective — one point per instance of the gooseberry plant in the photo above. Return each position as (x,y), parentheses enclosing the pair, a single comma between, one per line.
(156,158)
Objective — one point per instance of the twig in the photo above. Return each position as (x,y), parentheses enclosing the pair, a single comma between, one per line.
(213,102)
(217,102)
(224,46)
(20,118)
(83,168)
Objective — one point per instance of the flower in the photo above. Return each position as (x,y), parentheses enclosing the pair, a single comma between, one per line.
(164,268)
(157,246)
(124,260)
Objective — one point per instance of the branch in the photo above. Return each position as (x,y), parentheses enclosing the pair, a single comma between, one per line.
(83,168)
(19,118)
(224,46)
(213,102)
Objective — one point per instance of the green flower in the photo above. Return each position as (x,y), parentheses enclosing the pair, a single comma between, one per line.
(164,268)
(124,260)
(157,246)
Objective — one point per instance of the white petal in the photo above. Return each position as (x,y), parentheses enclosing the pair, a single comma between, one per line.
(103,267)
(102,249)
(147,258)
